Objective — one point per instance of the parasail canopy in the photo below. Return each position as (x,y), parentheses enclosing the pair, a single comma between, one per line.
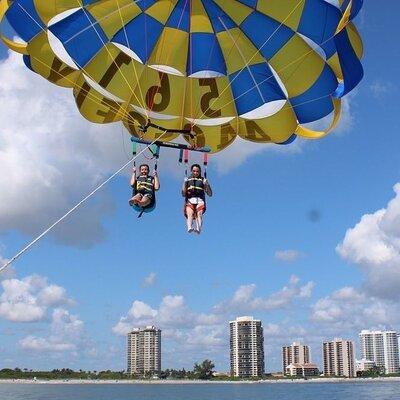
(258,69)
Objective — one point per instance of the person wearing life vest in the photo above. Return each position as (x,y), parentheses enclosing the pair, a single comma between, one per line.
(194,189)
(144,186)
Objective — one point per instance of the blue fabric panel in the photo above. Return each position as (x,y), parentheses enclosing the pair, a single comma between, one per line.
(289,141)
(249,3)
(220,21)
(262,30)
(357,5)
(180,16)
(352,68)
(205,54)
(319,23)
(316,102)
(81,40)
(24,19)
(143,32)
(87,2)
(144,4)
(245,92)
(27,61)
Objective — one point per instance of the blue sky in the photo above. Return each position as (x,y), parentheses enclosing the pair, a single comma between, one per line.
(260,253)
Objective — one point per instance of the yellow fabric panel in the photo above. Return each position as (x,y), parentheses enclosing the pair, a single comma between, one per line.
(115,71)
(334,63)
(162,93)
(199,20)
(216,137)
(161,10)
(355,40)
(237,11)
(208,98)
(277,128)
(94,106)
(49,9)
(288,12)
(345,18)
(238,50)
(311,134)
(112,15)
(132,120)
(298,65)
(171,49)
(46,63)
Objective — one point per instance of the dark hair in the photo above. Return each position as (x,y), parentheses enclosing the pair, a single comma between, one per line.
(144,165)
(196,165)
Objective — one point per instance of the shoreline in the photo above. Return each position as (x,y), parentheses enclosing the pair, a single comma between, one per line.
(195,382)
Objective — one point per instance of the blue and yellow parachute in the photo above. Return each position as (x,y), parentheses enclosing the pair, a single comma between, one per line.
(258,69)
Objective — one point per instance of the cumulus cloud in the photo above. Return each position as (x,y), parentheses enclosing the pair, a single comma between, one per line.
(53,157)
(379,89)
(349,310)
(288,255)
(244,299)
(66,334)
(28,299)
(150,279)
(373,244)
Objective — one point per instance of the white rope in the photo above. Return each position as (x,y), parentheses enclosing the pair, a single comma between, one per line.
(27,247)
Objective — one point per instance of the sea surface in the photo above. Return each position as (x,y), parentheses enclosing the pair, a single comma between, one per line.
(281,391)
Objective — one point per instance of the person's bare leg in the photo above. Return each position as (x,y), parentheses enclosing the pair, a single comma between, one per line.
(189,219)
(144,201)
(135,199)
(199,220)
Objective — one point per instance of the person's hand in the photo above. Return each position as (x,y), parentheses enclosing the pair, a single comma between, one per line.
(155,173)
(186,179)
(134,170)
(205,181)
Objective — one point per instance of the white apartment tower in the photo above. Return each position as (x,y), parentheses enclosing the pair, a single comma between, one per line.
(247,347)
(144,351)
(382,347)
(295,354)
(339,358)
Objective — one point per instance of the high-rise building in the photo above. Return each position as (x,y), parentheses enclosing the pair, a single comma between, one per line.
(247,347)
(295,354)
(382,347)
(144,351)
(339,358)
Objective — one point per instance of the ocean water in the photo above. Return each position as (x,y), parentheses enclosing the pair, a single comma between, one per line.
(309,391)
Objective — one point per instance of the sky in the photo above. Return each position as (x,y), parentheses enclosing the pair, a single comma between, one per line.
(314,251)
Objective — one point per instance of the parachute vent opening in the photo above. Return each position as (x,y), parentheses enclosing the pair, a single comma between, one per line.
(266,110)
(60,51)
(63,15)
(128,51)
(167,69)
(101,90)
(206,74)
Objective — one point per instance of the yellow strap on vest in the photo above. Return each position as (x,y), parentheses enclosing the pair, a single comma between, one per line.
(311,134)
(17,47)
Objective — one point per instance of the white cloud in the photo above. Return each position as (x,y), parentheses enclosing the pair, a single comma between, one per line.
(66,334)
(150,279)
(244,300)
(379,88)
(53,157)
(28,299)
(373,244)
(288,255)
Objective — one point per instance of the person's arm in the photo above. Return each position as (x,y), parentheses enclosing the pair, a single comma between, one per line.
(184,187)
(133,179)
(156,181)
(207,187)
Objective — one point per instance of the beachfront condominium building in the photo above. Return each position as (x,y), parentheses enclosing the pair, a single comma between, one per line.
(295,354)
(339,358)
(381,347)
(247,347)
(144,351)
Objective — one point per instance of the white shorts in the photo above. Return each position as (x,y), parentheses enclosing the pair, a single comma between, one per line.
(196,200)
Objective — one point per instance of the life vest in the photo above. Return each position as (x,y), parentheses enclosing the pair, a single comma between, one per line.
(195,188)
(144,184)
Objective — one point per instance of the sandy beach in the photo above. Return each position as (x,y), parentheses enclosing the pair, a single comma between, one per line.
(196,382)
